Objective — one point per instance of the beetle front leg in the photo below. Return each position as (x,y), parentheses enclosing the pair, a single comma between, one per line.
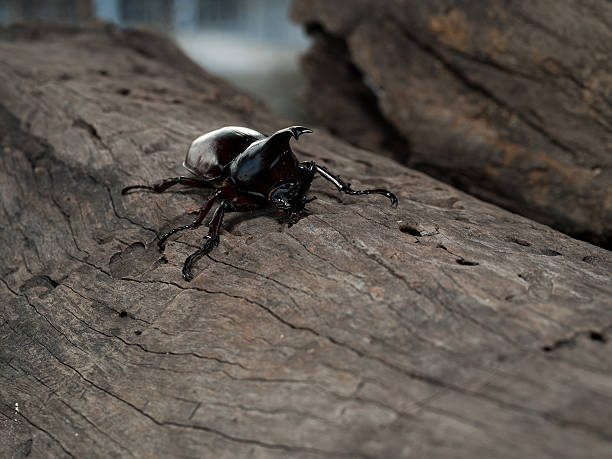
(197,222)
(345,187)
(167,183)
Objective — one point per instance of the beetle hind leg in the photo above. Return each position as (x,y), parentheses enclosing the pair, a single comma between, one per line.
(345,187)
(167,183)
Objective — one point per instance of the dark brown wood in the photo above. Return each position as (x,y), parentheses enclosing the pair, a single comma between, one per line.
(444,328)
(510,101)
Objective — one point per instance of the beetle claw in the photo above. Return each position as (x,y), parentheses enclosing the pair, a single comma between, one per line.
(211,243)
(187,274)
(393,199)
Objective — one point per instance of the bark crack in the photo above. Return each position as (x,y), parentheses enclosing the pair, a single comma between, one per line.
(233,438)
(41,429)
(150,351)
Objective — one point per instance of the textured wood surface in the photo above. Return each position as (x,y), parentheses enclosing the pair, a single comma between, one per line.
(510,101)
(444,328)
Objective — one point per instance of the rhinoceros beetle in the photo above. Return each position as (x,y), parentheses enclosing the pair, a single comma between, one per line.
(248,171)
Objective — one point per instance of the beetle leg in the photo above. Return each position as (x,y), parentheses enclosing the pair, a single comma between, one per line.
(237,203)
(197,222)
(212,240)
(345,187)
(167,183)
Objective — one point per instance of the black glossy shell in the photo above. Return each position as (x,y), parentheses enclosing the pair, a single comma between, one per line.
(210,153)
(263,164)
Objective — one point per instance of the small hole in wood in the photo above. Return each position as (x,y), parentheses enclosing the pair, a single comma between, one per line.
(409,230)
(463,262)
(596,336)
(123,314)
(549,253)
(518,241)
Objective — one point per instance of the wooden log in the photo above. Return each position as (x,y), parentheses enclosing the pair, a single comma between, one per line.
(444,328)
(510,101)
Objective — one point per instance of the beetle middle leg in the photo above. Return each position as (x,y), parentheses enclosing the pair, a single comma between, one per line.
(345,187)
(238,203)
(212,240)
(197,222)
(167,183)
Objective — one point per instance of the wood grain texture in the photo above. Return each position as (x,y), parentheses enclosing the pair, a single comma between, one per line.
(444,328)
(510,101)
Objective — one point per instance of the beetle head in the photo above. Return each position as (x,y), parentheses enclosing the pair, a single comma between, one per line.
(288,196)
(290,199)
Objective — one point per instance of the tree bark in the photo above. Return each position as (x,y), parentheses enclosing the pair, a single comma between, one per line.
(444,328)
(510,101)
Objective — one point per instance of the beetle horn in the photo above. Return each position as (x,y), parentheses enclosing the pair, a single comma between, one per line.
(295,131)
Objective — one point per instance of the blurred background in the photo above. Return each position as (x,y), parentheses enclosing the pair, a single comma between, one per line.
(251,43)
(507,100)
